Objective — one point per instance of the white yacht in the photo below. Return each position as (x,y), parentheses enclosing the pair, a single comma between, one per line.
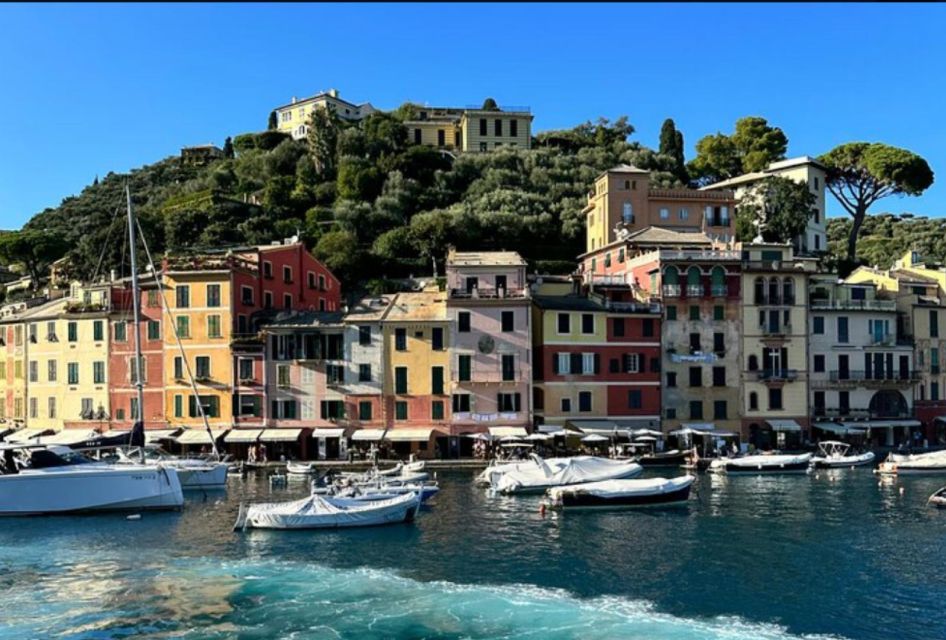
(47,480)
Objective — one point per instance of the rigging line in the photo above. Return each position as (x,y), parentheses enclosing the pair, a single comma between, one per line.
(177,337)
(108,235)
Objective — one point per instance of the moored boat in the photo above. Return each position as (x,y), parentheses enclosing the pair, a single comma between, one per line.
(324,512)
(672,458)
(833,454)
(938,499)
(622,494)
(300,468)
(576,470)
(933,463)
(57,480)
(767,464)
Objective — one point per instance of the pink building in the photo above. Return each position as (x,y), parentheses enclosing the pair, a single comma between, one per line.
(489,306)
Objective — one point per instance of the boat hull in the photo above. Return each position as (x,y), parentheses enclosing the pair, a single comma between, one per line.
(579,501)
(768,465)
(844,462)
(660,460)
(356,513)
(79,490)
(212,476)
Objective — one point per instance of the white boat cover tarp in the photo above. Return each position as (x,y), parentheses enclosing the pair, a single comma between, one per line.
(500,432)
(242,435)
(319,512)
(280,435)
(198,435)
(576,470)
(762,461)
(367,435)
(622,488)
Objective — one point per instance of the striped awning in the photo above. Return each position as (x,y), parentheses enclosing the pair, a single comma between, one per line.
(243,436)
(280,435)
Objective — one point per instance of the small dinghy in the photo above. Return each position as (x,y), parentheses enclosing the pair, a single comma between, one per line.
(324,512)
(371,494)
(938,499)
(300,468)
(833,454)
(768,464)
(622,494)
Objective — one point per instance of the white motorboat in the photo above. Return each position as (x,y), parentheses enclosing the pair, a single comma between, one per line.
(324,512)
(577,470)
(622,494)
(932,463)
(767,464)
(56,480)
(194,473)
(833,454)
(301,468)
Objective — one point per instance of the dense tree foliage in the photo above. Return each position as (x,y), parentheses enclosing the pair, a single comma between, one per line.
(34,249)
(671,145)
(752,146)
(885,237)
(861,173)
(776,208)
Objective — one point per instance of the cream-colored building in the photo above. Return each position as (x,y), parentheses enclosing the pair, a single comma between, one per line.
(471,130)
(293,118)
(67,349)
(804,169)
(774,344)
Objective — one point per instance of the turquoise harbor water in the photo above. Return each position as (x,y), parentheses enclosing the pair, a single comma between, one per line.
(836,554)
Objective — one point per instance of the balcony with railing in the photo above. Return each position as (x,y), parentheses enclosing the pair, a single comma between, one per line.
(764,300)
(691,255)
(719,290)
(858,413)
(775,329)
(606,279)
(671,290)
(694,290)
(633,307)
(859,377)
(826,304)
(490,293)
(776,375)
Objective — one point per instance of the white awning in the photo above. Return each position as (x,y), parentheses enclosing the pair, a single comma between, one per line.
(199,435)
(243,435)
(367,435)
(698,426)
(25,435)
(884,424)
(328,433)
(784,425)
(69,436)
(410,435)
(499,432)
(154,435)
(280,435)
(840,429)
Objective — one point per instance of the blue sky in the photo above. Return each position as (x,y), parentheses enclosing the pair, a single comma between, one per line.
(95,88)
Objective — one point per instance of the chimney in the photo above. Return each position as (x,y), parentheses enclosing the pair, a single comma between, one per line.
(333,93)
(112,277)
(293,99)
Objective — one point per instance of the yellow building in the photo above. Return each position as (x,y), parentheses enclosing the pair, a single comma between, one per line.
(66,351)
(417,364)
(199,313)
(438,128)
(774,344)
(491,129)
(293,118)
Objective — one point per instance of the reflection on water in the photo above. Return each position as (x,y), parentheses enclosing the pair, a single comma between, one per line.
(837,552)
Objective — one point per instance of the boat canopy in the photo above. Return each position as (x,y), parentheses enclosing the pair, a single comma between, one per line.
(155,435)
(328,433)
(367,435)
(500,432)
(783,425)
(69,436)
(25,435)
(198,435)
(410,435)
(280,435)
(242,436)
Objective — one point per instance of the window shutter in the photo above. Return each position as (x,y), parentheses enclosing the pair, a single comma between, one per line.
(555,363)
(575,363)
(499,402)
(597,364)
(516,399)
(642,362)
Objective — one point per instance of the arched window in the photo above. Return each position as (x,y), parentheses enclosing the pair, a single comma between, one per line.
(773,291)
(759,291)
(718,280)
(753,401)
(694,287)
(671,276)
(753,363)
(788,288)
(628,213)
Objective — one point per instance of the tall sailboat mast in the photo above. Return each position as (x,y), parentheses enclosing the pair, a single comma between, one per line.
(136,312)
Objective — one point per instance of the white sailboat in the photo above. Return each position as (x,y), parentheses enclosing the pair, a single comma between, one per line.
(208,473)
